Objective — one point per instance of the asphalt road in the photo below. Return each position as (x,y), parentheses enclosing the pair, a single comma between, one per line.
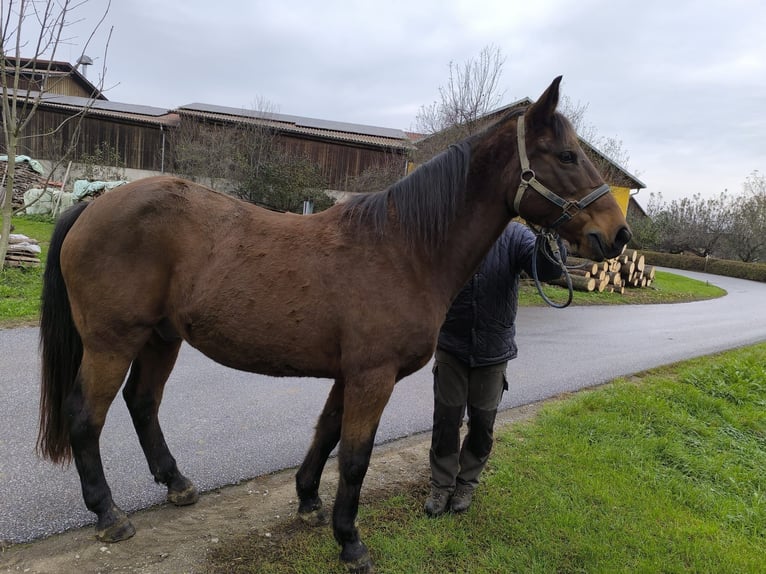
(224,426)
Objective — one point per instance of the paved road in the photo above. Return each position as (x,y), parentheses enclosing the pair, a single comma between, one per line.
(224,426)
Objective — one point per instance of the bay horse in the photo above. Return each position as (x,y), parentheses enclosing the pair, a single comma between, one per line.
(356,293)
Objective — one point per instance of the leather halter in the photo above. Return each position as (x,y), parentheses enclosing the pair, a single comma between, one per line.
(528,179)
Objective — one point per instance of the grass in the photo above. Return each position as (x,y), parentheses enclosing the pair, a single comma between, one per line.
(666,288)
(662,472)
(20,288)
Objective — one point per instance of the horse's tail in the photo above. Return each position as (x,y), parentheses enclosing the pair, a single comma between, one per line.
(61,348)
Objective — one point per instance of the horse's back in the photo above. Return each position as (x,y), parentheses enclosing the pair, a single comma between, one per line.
(173,216)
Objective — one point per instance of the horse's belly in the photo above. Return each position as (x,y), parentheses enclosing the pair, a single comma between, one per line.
(281,351)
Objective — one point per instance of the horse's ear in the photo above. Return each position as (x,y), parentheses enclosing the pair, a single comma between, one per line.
(541,112)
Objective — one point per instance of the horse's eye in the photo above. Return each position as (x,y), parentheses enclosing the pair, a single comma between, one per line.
(568,157)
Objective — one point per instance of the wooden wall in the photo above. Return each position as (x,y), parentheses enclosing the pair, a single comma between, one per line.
(340,162)
(139,145)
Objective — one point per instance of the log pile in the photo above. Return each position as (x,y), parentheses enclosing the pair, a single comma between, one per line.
(628,270)
(23,251)
(24,178)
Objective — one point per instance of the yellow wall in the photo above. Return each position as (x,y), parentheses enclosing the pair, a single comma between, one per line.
(622,195)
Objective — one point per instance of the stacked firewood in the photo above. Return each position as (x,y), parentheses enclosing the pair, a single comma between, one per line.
(628,270)
(24,178)
(23,251)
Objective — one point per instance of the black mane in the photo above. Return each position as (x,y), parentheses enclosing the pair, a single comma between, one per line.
(425,202)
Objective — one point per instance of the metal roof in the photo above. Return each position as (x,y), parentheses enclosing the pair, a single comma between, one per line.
(356,133)
(106,105)
(120,110)
(326,129)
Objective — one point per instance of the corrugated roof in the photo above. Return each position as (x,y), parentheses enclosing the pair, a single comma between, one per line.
(120,110)
(340,131)
(343,131)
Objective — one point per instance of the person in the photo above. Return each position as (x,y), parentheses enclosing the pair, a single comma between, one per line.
(474,346)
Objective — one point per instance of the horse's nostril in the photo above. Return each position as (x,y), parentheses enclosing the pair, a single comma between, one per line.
(623,236)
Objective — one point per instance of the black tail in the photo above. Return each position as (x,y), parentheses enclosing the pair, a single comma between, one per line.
(61,348)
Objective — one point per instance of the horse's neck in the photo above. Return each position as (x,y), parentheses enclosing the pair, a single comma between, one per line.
(487,209)
(473,234)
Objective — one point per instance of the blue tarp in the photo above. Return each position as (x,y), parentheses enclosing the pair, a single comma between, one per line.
(83,187)
(33,163)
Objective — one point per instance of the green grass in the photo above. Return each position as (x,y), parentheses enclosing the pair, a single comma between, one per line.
(663,472)
(666,288)
(20,288)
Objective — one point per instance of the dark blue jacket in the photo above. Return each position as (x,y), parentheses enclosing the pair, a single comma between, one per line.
(479,328)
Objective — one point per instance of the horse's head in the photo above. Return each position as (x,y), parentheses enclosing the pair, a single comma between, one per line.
(560,188)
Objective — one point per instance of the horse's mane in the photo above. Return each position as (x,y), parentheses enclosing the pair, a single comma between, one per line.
(425,202)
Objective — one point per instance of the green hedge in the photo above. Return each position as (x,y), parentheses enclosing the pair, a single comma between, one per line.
(752,271)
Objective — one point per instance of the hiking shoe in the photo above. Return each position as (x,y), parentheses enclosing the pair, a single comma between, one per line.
(437,503)
(461,498)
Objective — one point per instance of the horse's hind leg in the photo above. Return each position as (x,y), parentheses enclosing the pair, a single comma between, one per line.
(143,393)
(98,381)
(326,436)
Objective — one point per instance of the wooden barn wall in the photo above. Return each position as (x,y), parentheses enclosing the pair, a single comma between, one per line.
(62,85)
(340,162)
(139,146)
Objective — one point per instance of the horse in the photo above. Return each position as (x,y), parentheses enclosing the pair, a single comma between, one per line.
(356,293)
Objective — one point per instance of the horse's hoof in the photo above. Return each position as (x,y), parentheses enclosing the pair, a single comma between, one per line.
(316,517)
(119,529)
(357,559)
(312,513)
(185,497)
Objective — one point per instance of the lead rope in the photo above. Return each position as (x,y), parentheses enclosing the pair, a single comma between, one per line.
(547,238)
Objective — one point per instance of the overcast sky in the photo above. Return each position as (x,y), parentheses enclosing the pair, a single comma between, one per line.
(681,82)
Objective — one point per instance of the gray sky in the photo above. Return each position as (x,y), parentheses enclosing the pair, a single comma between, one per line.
(681,82)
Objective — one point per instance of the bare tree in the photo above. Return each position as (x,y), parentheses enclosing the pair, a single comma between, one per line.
(471,92)
(380,175)
(204,152)
(248,159)
(690,224)
(472,89)
(220,153)
(32,33)
(746,237)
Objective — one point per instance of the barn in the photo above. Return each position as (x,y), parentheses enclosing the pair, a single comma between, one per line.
(143,139)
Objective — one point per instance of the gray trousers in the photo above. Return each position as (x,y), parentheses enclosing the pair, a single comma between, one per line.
(459,388)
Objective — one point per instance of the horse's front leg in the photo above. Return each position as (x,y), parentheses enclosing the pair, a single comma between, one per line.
(364,401)
(326,436)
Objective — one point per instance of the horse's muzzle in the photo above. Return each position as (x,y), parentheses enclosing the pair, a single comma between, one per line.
(609,249)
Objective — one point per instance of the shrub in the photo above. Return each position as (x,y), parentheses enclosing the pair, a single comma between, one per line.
(726,267)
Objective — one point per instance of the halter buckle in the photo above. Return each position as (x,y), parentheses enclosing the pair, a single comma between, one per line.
(571,208)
